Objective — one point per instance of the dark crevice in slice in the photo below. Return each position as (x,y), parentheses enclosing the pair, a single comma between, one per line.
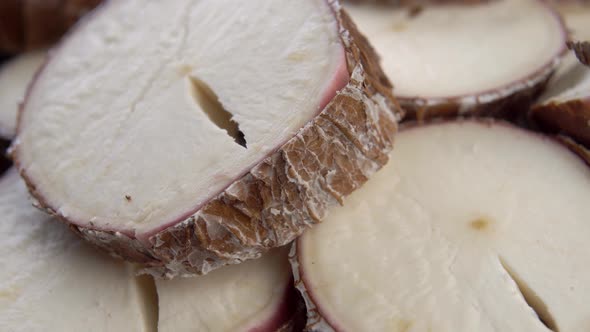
(531,298)
(5,162)
(210,104)
(149,296)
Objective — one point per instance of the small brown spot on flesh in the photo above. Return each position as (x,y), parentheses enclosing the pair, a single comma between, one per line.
(480,224)
(415,10)
(128,198)
(404,325)
(399,26)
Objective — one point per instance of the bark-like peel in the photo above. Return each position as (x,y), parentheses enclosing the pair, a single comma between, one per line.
(582,50)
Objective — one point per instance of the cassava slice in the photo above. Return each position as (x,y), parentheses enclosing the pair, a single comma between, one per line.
(565,106)
(256,295)
(50,280)
(15,76)
(475,226)
(33,24)
(485,59)
(191,134)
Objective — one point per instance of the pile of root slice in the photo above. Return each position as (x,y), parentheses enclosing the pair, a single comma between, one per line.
(289,166)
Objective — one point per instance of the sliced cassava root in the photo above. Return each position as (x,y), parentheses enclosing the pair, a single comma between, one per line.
(565,106)
(52,281)
(469,229)
(253,296)
(147,173)
(15,76)
(485,59)
(34,24)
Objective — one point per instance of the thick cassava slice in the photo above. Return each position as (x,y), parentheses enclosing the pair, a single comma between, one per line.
(52,281)
(565,106)
(475,227)
(191,134)
(485,59)
(15,76)
(253,296)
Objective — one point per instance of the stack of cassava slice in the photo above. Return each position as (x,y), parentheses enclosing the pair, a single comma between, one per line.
(197,139)
(211,147)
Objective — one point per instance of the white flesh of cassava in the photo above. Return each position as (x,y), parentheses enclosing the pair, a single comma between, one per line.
(15,77)
(127,145)
(52,281)
(466,219)
(457,50)
(251,296)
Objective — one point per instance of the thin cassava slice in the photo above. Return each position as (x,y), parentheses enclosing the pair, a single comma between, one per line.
(475,226)
(191,134)
(50,280)
(564,107)
(446,60)
(15,76)
(257,295)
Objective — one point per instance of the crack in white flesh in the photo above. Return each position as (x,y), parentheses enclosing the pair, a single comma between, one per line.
(15,77)
(455,51)
(52,281)
(112,137)
(251,296)
(572,79)
(420,247)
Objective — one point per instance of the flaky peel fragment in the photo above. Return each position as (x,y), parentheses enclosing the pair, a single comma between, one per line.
(565,107)
(582,50)
(452,60)
(289,190)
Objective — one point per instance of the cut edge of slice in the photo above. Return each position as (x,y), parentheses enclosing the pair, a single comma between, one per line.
(356,127)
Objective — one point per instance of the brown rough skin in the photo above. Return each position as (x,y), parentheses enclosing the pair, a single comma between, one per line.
(582,50)
(508,107)
(571,118)
(289,191)
(33,24)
